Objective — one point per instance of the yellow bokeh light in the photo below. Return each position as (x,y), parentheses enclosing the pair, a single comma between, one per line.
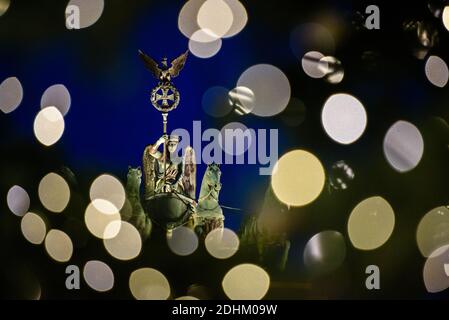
(107,187)
(222,243)
(54,192)
(49,126)
(371,223)
(33,228)
(58,245)
(98,222)
(149,284)
(246,282)
(298,178)
(127,244)
(445,17)
(433,230)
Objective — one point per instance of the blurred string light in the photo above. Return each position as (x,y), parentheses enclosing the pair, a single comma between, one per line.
(433,230)
(311,37)
(403,146)
(109,188)
(183,241)
(18,200)
(11,94)
(89,11)
(371,223)
(242,100)
(49,126)
(149,284)
(58,245)
(324,252)
(344,118)
(54,192)
(222,243)
(98,275)
(445,17)
(205,22)
(298,178)
(436,270)
(270,87)
(98,218)
(341,175)
(4,5)
(437,71)
(33,228)
(57,96)
(216,102)
(246,282)
(235,138)
(126,244)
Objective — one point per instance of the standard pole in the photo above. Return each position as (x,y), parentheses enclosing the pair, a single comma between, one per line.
(164,120)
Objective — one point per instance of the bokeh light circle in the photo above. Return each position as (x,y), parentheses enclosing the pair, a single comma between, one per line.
(242,100)
(49,126)
(235,138)
(57,96)
(127,244)
(215,102)
(371,223)
(437,71)
(98,275)
(324,252)
(436,270)
(271,89)
(99,223)
(33,228)
(216,16)
(58,245)
(344,118)
(203,44)
(246,282)
(54,192)
(433,230)
(89,11)
(222,243)
(403,146)
(18,200)
(149,284)
(183,241)
(311,64)
(11,93)
(298,178)
(108,188)
(240,17)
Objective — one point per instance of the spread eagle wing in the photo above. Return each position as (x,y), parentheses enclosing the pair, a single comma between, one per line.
(177,64)
(150,64)
(189,172)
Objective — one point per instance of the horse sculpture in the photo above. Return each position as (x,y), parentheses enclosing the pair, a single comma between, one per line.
(137,215)
(209,214)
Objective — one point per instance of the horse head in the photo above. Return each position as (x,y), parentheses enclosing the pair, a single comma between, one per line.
(210,186)
(134,179)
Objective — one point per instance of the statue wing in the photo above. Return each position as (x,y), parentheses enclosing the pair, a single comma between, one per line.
(150,64)
(178,64)
(189,172)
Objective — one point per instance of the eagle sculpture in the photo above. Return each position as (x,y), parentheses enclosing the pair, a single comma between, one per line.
(163,72)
